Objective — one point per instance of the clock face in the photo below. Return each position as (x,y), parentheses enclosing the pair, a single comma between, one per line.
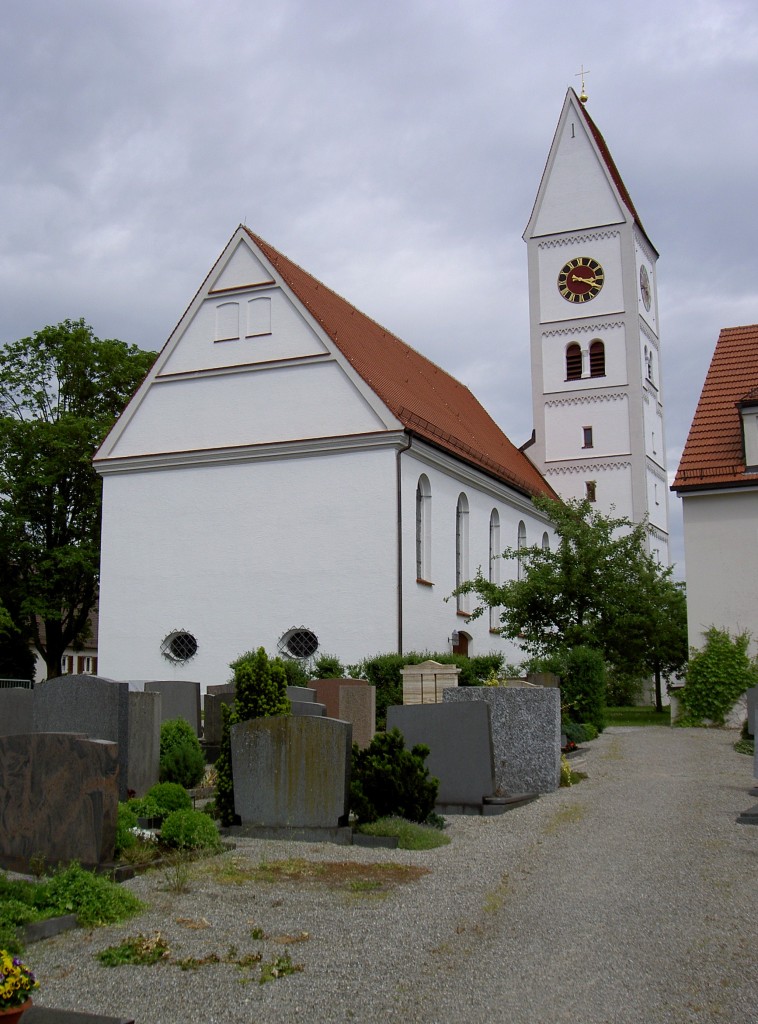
(581,279)
(645,287)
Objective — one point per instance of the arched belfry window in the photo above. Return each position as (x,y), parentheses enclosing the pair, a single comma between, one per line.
(521,544)
(461,549)
(495,560)
(597,359)
(423,529)
(573,362)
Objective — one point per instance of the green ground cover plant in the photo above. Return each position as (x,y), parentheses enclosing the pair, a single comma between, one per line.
(410,834)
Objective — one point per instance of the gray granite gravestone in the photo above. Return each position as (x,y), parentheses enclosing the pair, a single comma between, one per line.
(92,705)
(180,698)
(291,772)
(460,747)
(143,761)
(752,709)
(212,721)
(16,711)
(526,735)
(58,799)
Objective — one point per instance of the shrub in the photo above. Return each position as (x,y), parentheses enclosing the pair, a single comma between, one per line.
(389,780)
(717,675)
(327,666)
(623,691)
(125,822)
(583,686)
(169,796)
(181,758)
(190,830)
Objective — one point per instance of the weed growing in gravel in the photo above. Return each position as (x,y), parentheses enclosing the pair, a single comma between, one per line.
(140,949)
(278,968)
(410,835)
(177,872)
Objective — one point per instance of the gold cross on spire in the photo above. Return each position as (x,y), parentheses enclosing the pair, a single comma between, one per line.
(583,97)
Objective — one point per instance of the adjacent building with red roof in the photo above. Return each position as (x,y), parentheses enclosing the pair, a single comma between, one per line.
(717,480)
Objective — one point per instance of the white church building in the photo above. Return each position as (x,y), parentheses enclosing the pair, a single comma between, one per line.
(292,475)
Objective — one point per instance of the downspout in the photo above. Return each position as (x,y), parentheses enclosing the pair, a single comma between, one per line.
(398,474)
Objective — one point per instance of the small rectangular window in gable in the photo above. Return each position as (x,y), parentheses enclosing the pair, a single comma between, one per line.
(587,437)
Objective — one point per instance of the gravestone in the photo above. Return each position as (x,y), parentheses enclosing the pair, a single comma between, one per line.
(526,735)
(303,702)
(215,697)
(16,711)
(92,705)
(752,709)
(180,698)
(143,760)
(291,772)
(460,747)
(58,799)
(426,682)
(351,700)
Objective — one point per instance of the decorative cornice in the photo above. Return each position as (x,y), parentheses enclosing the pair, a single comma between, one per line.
(595,328)
(587,238)
(659,534)
(583,469)
(657,471)
(586,399)
(649,334)
(650,254)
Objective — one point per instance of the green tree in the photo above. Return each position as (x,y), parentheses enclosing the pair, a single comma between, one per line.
(596,588)
(61,391)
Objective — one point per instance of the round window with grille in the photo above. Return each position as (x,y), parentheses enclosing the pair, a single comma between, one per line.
(299,643)
(179,646)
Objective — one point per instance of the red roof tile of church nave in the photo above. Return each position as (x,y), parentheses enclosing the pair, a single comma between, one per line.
(713,455)
(428,401)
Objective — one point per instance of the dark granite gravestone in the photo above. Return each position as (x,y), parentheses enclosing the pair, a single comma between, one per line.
(303,702)
(526,735)
(460,747)
(16,711)
(180,698)
(291,772)
(212,720)
(92,705)
(752,709)
(58,799)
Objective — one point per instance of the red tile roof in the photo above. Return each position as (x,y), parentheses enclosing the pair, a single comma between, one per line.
(713,455)
(428,401)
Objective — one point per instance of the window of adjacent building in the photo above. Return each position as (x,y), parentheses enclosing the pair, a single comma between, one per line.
(423,529)
(227,321)
(597,359)
(258,317)
(520,545)
(573,362)
(461,549)
(587,437)
(494,574)
(590,490)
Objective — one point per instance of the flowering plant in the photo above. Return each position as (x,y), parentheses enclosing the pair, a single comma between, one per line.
(16,981)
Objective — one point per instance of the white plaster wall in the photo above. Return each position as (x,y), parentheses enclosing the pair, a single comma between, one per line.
(614,486)
(657,488)
(197,349)
(238,554)
(721,557)
(254,407)
(429,619)
(653,419)
(554,347)
(650,316)
(564,421)
(605,247)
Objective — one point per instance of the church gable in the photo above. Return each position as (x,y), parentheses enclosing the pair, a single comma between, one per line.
(577,188)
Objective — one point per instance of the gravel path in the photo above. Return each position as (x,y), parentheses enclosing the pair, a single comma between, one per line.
(631,897)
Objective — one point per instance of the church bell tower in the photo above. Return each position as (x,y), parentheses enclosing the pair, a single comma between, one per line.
(593,307)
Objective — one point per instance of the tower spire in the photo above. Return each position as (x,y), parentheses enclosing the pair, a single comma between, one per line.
(583,97)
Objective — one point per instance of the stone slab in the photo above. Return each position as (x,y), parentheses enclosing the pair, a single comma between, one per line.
(526,735)
(340,835)
(749,817)
(307,707)
(291,771)
(301,693)
(180,698)
(460,747)
(50,1015)
(212,721)
(143,761)
(16,711)
(58,798)
(357,705)
(47,929)
(93,705)
(752,709)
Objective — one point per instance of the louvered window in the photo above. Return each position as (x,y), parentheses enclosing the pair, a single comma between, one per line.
(597,359)
(573,362)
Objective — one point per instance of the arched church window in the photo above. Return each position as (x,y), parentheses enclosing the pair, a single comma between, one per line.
(494,573)
(423,529)
(597,359)
(545,541)
(461,549)
(573,362)
(521,544)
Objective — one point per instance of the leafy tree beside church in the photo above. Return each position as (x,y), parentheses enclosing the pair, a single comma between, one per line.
(60,392)
(598,588)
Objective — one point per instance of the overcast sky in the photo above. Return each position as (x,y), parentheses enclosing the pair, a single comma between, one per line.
(393,149)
